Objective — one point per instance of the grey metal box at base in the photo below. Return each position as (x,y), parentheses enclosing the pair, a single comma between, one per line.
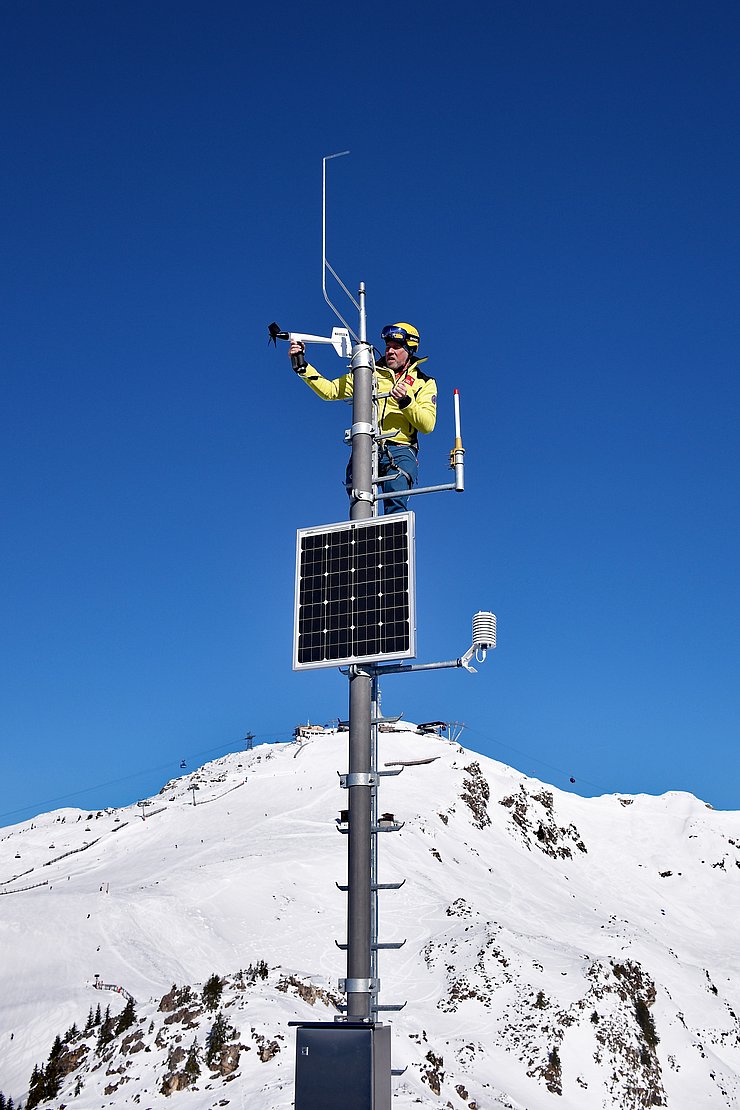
(342,1067)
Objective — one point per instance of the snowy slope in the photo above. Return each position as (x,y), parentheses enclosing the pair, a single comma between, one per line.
(560,951)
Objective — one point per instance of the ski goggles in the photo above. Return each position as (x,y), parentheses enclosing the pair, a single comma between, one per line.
(397,335)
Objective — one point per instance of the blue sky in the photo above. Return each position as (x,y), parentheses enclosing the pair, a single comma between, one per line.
(550,193)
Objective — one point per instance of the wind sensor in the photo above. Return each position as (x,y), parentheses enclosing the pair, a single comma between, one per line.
(339,339)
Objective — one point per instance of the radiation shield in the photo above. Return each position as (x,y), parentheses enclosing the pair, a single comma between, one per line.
(355,592)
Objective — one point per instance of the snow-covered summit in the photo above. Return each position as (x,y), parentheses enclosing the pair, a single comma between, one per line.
(560,951)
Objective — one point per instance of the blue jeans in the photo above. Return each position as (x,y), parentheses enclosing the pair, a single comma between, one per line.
(394,456)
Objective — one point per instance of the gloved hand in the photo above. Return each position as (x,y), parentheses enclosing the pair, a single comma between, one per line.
(297,360)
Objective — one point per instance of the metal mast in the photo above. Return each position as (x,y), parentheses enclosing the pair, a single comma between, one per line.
(359,870)
(346,1065)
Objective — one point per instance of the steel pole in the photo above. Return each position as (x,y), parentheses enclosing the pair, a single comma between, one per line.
(359,848)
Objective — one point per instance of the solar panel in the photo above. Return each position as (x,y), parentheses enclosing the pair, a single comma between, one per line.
(354,593)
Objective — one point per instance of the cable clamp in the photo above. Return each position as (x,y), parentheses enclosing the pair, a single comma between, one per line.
(362,495)
(362,427)
(358,778)
(359,986)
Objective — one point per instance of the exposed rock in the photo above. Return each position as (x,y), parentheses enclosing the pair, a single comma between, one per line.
(134,1042)
(70,1060)
(175,1057)
(459,908)
(309,992)
(541,830)
(229,1060)
(265,1049)
(553,1073)
(628,1035)
(188,1015)
(433,1075)
(174,1081)
(476,793)
(174,999)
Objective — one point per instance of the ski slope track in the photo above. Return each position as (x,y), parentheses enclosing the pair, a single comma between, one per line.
(560,952)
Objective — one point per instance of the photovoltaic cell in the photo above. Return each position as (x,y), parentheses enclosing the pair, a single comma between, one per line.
(354,598)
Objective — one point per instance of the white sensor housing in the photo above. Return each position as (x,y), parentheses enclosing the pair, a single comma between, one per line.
(484,631)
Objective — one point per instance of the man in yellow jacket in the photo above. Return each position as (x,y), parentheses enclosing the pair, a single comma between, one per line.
(409,408)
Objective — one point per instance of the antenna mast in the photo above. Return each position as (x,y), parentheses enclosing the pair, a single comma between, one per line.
(325,265)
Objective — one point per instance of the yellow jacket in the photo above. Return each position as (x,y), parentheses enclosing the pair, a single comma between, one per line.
(404,419)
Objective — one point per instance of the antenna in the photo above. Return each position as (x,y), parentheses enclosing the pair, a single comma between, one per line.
(325,265)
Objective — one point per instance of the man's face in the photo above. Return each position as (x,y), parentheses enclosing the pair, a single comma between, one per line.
(396,355)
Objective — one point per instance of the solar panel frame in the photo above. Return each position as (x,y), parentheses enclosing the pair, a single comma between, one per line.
(355,592)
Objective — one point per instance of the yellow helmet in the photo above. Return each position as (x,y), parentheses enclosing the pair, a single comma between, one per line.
(402,333)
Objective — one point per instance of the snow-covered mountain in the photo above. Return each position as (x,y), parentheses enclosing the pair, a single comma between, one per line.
(560,951)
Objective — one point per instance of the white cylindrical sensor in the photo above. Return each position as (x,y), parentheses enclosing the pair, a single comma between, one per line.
(484,630)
